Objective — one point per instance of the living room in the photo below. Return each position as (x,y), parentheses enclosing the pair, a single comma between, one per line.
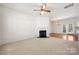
(24,27)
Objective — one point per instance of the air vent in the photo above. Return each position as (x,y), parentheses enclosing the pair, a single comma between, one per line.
(69,5)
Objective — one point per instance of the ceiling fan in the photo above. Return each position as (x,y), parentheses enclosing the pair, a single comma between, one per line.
(43,9)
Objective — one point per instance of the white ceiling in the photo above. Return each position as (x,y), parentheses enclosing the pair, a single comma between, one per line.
(57,9)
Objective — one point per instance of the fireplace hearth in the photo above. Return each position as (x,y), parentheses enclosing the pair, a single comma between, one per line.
(42,34)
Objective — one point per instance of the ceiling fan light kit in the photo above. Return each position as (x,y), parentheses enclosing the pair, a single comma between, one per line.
(43,13)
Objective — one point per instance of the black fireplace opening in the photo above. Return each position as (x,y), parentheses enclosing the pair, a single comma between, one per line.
(42,34)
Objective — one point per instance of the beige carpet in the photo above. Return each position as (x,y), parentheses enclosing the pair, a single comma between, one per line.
(40,46)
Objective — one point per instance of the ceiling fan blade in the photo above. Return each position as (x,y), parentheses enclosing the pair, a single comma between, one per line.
(47,10)
(42,10)
(36,10)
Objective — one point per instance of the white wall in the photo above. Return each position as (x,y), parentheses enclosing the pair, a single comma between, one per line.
(16,26)
(58,28)
(42,23)
(70,15)
(0,26)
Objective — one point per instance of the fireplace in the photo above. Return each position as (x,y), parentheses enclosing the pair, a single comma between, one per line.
(42,34)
